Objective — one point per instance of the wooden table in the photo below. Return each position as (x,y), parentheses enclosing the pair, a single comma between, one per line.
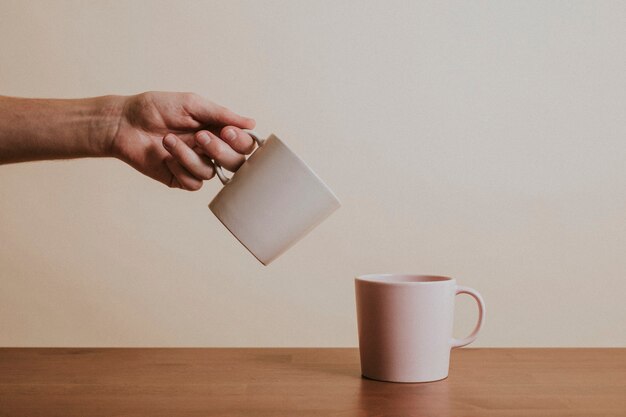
(305,382)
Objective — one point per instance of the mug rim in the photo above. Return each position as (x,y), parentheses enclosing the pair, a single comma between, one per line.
(388,279)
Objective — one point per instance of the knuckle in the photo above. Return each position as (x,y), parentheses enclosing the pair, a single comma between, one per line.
(208,172)
(190,100)
(194,186)
(141,102)
(217,152)
(146,95)
(189,97)
(249,145)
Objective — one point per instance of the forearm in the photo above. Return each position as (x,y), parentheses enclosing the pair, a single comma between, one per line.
(36,129)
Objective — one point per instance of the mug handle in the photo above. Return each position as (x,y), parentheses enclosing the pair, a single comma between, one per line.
(220,171)
(456,343)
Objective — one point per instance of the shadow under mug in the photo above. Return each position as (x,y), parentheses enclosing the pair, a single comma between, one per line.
(405,325)
(273,200)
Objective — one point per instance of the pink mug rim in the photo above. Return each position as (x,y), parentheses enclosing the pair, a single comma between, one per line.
(404,279)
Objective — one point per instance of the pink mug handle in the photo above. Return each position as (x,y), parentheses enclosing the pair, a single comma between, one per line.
(481,316)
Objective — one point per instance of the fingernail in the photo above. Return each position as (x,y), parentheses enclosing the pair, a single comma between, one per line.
(169,141)
(230,134)
(203,138)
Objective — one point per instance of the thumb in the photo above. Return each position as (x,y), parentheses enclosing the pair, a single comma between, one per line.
(209,113)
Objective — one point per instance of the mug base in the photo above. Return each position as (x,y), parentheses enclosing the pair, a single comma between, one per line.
(423,381)
(265,262)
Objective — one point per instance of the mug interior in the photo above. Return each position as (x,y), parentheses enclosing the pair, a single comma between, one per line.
(402,278)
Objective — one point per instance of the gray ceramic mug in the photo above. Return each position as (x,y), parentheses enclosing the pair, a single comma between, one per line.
(273,200)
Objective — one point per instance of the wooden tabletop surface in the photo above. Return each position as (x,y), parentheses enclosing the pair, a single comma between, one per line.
(305,382)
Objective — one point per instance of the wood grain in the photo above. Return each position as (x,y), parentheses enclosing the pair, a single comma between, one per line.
(305,382)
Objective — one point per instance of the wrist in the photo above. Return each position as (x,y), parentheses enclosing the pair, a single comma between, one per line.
(105,125)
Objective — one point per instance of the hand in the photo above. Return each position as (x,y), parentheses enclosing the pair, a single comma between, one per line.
(172,137)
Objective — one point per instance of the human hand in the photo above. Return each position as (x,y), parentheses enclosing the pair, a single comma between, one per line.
(172,137)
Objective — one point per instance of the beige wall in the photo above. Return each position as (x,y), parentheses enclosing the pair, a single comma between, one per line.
(481,140)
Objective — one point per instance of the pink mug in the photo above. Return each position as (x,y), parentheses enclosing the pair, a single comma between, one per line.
(405,325)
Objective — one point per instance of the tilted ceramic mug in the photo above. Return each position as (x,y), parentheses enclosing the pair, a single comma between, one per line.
(405,325)
(273,200)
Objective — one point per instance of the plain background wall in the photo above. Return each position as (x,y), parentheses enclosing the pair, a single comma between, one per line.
(482,140)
